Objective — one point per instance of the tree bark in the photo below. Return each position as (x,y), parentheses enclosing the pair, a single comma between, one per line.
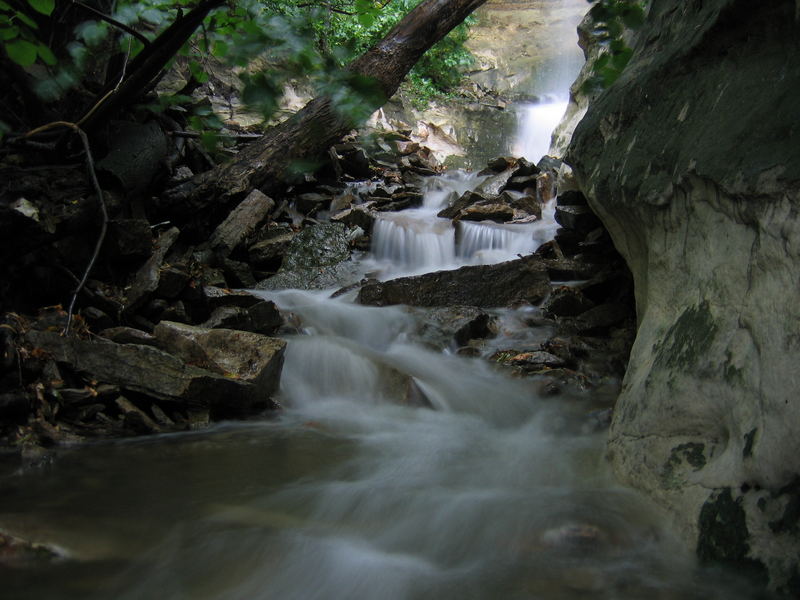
(309,133)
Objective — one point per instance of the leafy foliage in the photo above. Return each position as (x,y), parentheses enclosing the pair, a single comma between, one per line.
(293,39)
(613,18)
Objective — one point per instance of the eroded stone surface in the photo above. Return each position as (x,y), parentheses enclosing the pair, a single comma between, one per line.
(692,161)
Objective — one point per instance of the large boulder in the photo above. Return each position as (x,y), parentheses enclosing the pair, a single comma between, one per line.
(316,258)
(504,284)
(224,371)
(692,161)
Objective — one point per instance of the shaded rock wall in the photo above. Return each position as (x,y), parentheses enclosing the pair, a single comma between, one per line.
(692,161)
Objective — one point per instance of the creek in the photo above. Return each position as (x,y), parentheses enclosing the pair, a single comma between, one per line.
(396,471)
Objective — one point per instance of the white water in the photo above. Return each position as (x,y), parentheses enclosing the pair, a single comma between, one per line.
(395,472)
(537,123)
(416,241)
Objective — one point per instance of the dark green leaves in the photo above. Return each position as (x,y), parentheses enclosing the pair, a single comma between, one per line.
(44,7)
(612,19)
(21,52)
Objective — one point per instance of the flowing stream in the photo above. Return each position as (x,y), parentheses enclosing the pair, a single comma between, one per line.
(398,470)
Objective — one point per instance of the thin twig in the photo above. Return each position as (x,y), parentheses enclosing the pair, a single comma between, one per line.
(114,22)
(103,226)
(99,103)
(98,190)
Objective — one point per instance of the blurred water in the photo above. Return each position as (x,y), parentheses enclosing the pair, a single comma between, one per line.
(358,490)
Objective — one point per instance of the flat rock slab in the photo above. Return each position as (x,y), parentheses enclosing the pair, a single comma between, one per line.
(242,222)
(518,281)
(246,371)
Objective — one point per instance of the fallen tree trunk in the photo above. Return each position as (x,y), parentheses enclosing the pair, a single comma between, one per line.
(308,134)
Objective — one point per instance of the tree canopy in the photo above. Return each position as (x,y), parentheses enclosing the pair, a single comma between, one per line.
(58,52)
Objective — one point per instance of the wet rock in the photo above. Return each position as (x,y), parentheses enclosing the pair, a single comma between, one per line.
(96,318)
(577,218)
(238,274)
(241,222)
(172,280)
(525,168)
(247,366)
(131,237)
(317,246)
(262,317)
(128,335)
(575,537)
(501,163)
(569,241)
(317,258)
(15,551)
(602,317)
(353,161)
(175,311)
(441,327)
(137,153)
(135,418)
(504,284)
(521,201)
(268,253)
(494,184)
(212,276)
(536,360)
(521,182)
(566,302)
(566,269)
(459,204)
(216,297)
(357,216)
(147,278)
(571,198)
(499,213)
(311,202)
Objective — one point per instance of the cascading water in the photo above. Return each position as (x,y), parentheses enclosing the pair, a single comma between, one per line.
(397,471)
(416,240)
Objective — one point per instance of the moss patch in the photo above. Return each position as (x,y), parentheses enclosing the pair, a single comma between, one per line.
(689,338)
(749,438)
(723,537)
(691,453)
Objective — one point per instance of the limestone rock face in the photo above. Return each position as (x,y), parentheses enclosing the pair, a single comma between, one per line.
(692,161)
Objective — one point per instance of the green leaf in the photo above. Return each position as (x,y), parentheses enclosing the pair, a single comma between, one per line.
(9,33)
(198,72)
(46,54)
(633,16)
(21,52)
(43,6)
(220,49)
(26,19)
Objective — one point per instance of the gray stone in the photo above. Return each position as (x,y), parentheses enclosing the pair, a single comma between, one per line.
(566,302)
(317,258)
(132,237)
(504,284)
(317,246)
(241,222)
(147,278)
(128,335)
(358,216)
(467,199)
(262,317)
(248,367)
(499,213)
(692,160)
(440,327)
(577,218)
